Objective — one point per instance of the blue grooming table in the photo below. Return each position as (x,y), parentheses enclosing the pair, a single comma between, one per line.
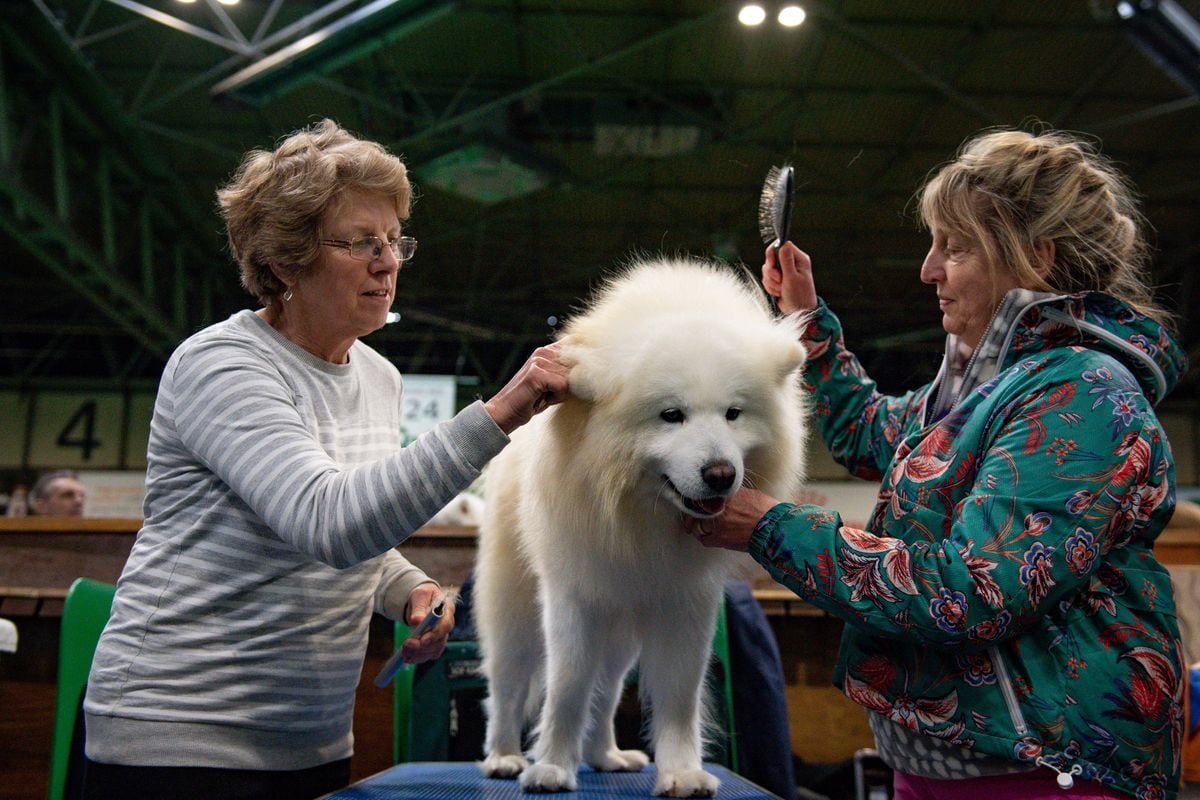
(457,780)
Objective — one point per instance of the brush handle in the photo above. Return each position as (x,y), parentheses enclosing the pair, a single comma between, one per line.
(774,301)
(394,664)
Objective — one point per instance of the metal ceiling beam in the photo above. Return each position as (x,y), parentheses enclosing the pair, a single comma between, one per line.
(855,32)
(231,29)
(107,292)
(239,45)
(242,48)
(43,44)
(344,41)
(79,225)
(586,65)
(1144,115)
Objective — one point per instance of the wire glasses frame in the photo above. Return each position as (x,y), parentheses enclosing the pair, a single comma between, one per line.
(369,248)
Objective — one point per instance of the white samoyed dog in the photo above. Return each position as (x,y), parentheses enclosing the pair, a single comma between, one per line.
(684,388)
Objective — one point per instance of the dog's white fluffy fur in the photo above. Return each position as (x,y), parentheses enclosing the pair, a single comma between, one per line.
(684,387)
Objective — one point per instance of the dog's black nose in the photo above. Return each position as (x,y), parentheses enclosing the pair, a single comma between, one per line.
(718,476)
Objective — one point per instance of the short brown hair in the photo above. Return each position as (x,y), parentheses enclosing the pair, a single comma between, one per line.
(1009,189)
(274,203)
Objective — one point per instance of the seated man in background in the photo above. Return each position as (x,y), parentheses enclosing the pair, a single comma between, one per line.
(58,494)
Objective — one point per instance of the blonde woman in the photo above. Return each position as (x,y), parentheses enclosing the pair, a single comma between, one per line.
(1009,629)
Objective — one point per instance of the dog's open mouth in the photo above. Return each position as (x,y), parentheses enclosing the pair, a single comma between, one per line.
(699,507)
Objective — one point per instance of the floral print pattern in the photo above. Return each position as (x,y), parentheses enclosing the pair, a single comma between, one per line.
(1004,594)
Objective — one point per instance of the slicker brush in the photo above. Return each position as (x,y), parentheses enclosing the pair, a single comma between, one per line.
(775,206)
(775,211)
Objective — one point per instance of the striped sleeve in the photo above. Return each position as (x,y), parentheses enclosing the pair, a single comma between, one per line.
(253,428)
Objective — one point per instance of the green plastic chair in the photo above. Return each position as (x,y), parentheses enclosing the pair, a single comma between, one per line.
(85,613)
(422,698)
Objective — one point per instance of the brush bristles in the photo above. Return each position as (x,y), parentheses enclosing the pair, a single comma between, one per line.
(773,203)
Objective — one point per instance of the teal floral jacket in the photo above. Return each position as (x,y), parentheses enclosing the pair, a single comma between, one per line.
(1005,596)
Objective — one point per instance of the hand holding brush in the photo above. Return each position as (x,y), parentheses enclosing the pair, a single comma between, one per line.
(775,211)
(442,605)
(787,273)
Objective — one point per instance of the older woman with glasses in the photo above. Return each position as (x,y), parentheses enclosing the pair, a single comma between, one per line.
(276,492)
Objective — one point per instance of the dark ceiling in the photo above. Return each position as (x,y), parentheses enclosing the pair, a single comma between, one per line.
(580,133)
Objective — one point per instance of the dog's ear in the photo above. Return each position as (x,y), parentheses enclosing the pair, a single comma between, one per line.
(792,356)
(583,362)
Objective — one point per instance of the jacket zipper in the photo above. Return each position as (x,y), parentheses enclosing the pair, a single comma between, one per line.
(1064,777)
(1010,695)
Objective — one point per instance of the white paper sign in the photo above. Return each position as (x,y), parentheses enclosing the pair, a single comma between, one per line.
(428,400)
(113,493)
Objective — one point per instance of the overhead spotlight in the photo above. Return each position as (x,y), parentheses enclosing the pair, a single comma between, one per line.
(228,2)
(752,14)
(791,16)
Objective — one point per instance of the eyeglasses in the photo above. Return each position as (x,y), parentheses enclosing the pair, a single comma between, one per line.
(369,248)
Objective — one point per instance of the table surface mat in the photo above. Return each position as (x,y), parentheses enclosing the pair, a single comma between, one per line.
(464,781)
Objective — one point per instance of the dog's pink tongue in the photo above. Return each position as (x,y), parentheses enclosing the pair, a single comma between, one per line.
(711,505)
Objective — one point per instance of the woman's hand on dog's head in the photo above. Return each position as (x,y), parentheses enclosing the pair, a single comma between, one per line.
(733,527)
(541,382)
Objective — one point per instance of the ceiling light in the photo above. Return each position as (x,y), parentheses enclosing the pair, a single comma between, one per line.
(228,2)
(791,16)
(752,15)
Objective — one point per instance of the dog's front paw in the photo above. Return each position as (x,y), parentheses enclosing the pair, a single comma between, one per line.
(619,761)
(686,783)
(542,777)
(497,766)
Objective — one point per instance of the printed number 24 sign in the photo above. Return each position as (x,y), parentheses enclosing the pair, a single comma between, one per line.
(428,399)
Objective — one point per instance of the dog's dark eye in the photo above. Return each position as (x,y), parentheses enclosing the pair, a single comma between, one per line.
(733,413)
(672,415)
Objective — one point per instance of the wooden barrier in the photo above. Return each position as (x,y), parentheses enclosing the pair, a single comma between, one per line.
(41,556)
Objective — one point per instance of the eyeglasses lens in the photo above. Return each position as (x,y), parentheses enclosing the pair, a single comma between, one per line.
(404,247)
(367,248)
(370,248)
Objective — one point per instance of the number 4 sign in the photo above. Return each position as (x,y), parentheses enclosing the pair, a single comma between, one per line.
(77,429)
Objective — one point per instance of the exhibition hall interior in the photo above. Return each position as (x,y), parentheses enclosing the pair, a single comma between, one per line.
(549,144)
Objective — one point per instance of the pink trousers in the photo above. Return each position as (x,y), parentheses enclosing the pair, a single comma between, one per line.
(1037,785)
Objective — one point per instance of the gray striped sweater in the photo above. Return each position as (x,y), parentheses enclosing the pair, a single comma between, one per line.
(275,491)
